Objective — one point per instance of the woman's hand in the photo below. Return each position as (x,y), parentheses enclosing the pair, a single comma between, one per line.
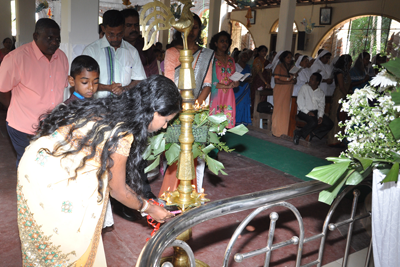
(158,213)
(235,84)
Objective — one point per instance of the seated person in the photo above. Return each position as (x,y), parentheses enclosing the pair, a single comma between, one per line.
(311,106)
(84,78)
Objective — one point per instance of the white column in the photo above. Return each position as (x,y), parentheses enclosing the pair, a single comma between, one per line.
(25,20)
(5,20)
(214,16)
(163,35)
(286,19)
(79,25)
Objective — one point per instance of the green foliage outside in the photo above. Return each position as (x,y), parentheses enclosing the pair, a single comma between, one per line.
(363,35)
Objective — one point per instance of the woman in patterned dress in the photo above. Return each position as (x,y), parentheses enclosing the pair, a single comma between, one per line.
(81,154)
(222,95)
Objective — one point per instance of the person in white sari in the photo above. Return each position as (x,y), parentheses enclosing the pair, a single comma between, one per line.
(322,66)
(304,74)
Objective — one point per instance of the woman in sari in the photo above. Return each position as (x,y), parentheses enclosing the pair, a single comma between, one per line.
(242,92)
(303,75)
(282,94)
(81,154)
(321,65)
(202,63)
(261,76)
(359,72)
(222,95)
(343,83)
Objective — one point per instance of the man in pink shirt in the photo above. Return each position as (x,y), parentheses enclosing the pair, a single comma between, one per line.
(36,74)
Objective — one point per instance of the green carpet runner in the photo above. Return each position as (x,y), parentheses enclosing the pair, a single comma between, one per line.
(287,160)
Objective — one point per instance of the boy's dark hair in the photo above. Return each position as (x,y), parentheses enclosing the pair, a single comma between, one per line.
(129,12)
(46,23)
(318,76)
(83,62)
(113,18)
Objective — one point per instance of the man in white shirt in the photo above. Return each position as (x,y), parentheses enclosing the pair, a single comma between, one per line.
(121,69)
(120,65)
(311,106)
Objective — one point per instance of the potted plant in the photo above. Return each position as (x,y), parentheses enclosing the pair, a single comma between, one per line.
(373,135)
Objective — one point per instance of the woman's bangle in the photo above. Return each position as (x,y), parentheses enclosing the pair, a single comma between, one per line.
(145,206)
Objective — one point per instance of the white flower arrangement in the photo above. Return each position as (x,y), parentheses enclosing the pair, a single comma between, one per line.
(373,133)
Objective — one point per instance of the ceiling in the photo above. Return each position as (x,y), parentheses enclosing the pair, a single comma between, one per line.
(238,4)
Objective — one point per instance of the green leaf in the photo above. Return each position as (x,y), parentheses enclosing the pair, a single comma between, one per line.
(203,119)
(153,165)
(167,146)
(393,66)
(327,196)
(197,118)
(147,152)
(365,162)
(207,149)
(213,138)
(393,174)
(239,130)
(329,174)
(395,96)
(151,157)
(160,148)
(215,166)
(172,153)
(355,178)
(213,128)
(394,126)
(196,150)
(217,118)
(338,160)
(156,141)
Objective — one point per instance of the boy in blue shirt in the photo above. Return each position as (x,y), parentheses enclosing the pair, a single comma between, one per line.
(84,77)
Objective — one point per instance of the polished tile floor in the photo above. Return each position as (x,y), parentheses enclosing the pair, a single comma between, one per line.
(125,240)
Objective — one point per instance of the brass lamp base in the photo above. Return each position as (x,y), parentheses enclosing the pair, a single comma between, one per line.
(199,263)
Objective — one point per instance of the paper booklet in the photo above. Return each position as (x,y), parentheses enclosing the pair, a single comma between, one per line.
(237,76)
(294,70)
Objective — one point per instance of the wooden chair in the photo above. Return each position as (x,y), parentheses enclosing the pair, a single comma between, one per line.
(259,117)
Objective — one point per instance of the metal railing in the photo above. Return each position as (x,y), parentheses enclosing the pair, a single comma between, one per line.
(262,200)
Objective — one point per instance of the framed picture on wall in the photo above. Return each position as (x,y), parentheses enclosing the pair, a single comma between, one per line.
(253,19)
(325,16)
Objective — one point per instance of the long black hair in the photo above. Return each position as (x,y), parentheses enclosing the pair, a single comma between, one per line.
(340,67)
(130,113)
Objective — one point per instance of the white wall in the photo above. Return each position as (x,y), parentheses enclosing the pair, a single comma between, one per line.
(341,11)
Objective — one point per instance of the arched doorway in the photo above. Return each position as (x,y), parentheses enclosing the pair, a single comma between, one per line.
(241,37)
(370,33)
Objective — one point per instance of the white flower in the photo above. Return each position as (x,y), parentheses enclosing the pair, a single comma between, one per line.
(223,132)
(384,79)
